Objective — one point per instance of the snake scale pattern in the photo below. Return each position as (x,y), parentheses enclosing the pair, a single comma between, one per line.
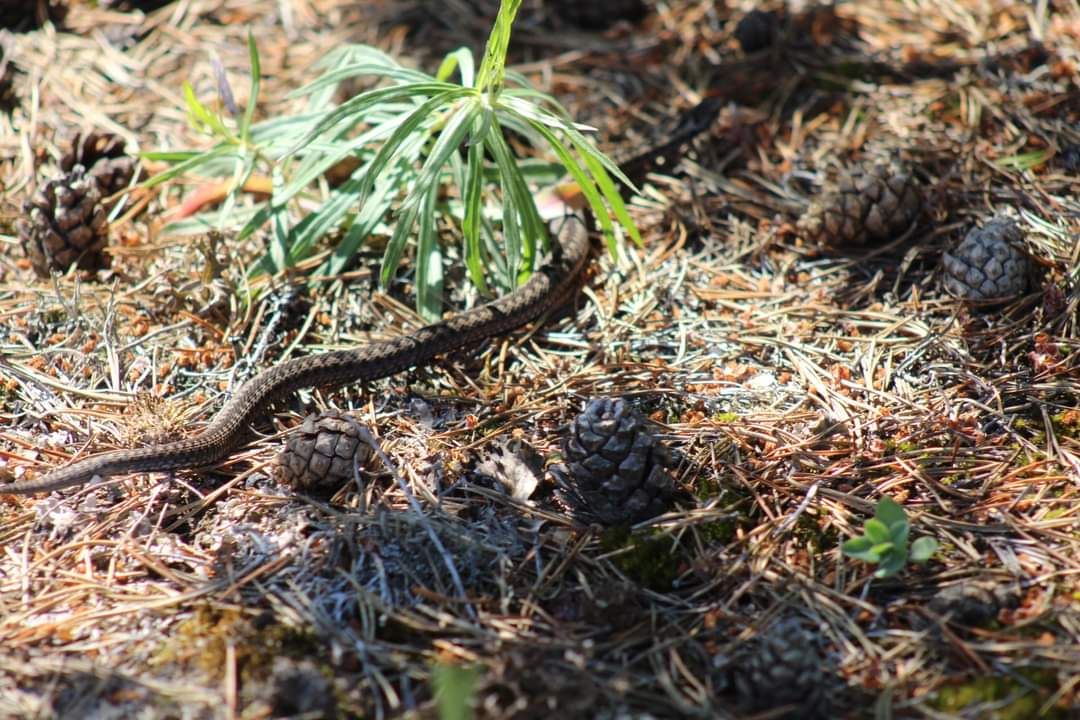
(548,287)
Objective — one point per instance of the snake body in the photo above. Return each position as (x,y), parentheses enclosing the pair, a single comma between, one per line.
(548,287)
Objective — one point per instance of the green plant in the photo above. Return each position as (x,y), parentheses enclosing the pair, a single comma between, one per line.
(885,541)
(454,689)
(423,148)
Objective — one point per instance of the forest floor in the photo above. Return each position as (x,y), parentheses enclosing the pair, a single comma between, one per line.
(797,383)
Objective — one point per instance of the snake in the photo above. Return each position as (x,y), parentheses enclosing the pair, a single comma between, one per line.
(548,287)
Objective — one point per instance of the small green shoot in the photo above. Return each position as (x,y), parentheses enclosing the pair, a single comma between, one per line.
(454,688)
(885,541)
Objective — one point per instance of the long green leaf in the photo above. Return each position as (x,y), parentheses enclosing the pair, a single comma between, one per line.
(376,207)
(471,222)
(215,154)
(253,88)
(397,75)
(493,66)
(449,141)
(245,166)
(516,192)
(201,118)
(429,275)
(585,183)
(589,154)
(396,247)
(565,124)
(407,128)
(458,59)
(354,108)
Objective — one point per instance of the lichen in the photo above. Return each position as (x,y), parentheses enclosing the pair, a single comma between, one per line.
(649,560)
(1014,697)
(202,641)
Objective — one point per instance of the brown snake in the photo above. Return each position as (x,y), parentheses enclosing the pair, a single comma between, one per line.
(548,287)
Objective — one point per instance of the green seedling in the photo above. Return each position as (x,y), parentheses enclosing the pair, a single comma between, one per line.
(885,541)
(455,687)
(425,151)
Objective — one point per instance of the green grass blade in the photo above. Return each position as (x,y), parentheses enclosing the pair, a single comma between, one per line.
(511,100)
(210,220)
(201,118)
(278,252)
(242,171)
(171,156)
(253,88)
(455,687)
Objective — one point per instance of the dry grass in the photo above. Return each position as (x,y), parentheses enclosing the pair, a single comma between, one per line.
(799,384)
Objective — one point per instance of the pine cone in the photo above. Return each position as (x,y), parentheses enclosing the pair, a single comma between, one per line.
(975,603)
(127,5)
(8,97)
(102,154)
(757,30)
(1069,159)
(321,454)
(25,15)
(867,204)
(535,684)
(298,688)
(782,666)
(616,466)
(64,224)
(598,14)
(988,265)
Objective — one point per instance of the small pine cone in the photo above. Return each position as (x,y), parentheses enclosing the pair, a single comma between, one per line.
(8,97)
(1069,159)
(782,666)
(598,14)
(128,5)
(988,265)
(102,154)
(64,223)
(975,603)
(533,683)
(757,30)
(26,15)
(617,468)
(867,204)
(321,454)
